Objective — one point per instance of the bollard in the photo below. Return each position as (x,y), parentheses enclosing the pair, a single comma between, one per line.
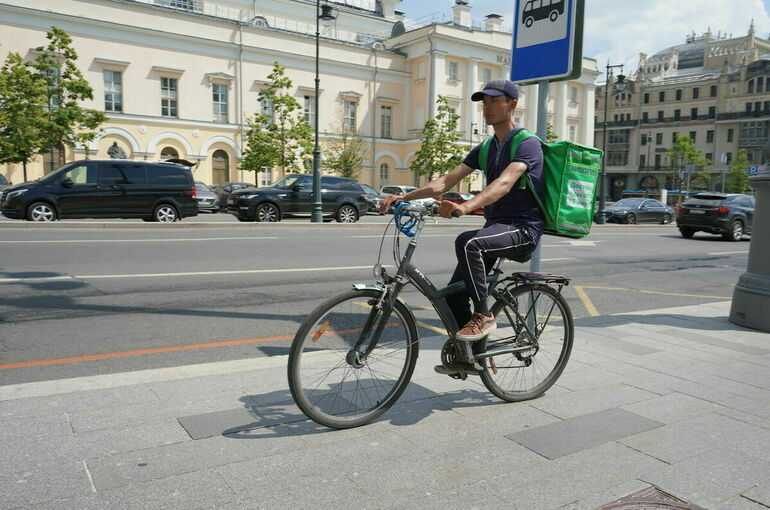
(751,297)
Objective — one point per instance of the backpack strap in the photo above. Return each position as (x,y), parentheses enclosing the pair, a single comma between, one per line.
(526,181)
(484,154)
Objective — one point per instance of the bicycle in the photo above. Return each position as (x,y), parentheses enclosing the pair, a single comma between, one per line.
(354,355)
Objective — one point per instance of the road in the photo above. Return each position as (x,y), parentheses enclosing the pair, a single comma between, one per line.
(84,300)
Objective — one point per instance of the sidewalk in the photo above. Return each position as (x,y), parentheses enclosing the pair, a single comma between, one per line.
(678,399)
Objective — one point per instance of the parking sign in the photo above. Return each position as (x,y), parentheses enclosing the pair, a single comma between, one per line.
(547,40)
(753,170)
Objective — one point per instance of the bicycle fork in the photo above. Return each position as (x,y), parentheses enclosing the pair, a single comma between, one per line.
(380,313)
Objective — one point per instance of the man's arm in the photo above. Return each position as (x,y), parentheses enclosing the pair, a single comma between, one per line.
(434,189)
(494,191)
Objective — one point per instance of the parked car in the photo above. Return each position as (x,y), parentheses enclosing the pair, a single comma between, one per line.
(222,191)
(392,189)
(730,215)
(459,198)
(206,199)
(639,210)
(109,188)
(3,184)
(341,199)
(373,198)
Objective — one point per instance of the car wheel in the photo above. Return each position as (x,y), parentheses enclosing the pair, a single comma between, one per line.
(41,211)
(687,233)
(666,219)
(631,219)
(267,213)
(734,232)
(165,213)
(347,214)
(554,15)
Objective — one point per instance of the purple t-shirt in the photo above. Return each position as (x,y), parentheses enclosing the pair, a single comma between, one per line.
(518,206)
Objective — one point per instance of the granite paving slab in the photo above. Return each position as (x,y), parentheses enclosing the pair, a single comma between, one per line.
(42,484)
(576,403)
(582,432)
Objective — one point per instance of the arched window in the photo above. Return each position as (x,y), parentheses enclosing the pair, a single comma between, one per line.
(169,153)
(384,171)
(220,166)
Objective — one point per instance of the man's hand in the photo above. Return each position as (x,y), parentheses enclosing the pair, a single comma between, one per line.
(446,208)
(385,204)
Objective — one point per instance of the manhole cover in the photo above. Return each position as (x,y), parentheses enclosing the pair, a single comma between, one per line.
(650,498)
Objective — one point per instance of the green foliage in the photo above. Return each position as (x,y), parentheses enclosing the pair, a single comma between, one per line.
(684,153)
(23,115)
(283,140)
(345,153)
(737,179)
(439,151)
(550,136)
(68,123)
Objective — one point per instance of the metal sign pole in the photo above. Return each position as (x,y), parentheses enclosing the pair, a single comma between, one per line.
(542,128)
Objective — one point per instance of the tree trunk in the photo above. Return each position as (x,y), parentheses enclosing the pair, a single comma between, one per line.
(62,155)
(24,166)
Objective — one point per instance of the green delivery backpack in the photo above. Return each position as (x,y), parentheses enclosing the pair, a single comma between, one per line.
(571,174)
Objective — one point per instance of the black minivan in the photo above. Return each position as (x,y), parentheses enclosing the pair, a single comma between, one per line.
(110,188)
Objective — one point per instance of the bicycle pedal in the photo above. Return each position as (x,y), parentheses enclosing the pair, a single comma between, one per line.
(456,372)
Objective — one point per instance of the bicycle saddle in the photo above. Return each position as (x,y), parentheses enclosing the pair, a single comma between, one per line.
(521,258)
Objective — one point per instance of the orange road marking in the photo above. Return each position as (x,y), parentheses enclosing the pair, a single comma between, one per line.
(177,348)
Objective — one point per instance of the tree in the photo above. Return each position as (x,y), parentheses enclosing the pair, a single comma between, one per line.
(22,112)
(684,153)
(550,136)
(68,124)
(346,153)
(282,139)
(738,176)
(439,151)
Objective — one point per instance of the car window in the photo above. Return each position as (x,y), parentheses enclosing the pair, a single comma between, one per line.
(628,202)
(167,175)
(393,190)
(3,180)
(744,202)
(122,173)
(351,186)
(288,181)
(82,174)
(368,189)
(331,183)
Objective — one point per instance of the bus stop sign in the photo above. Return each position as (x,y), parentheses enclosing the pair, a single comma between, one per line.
(547,40)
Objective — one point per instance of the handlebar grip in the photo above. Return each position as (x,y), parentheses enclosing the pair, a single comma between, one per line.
(456,214)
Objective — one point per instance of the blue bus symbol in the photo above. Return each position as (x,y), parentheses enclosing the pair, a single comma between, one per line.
(535,10)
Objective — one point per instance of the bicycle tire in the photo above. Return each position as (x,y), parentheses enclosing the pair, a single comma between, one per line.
(506,376)
(324,383)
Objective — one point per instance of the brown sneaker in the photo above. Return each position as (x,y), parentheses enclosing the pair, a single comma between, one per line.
(477,328)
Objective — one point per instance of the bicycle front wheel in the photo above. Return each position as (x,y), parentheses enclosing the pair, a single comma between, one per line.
(334,378)
(541,334)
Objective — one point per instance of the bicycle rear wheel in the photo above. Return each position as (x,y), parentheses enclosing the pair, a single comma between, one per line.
(336,385)
(527,374)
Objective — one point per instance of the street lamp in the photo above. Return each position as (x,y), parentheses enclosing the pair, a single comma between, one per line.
(322,12)
(620,85)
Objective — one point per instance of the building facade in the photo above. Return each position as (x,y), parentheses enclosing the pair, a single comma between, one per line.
(714,89)
(181,78)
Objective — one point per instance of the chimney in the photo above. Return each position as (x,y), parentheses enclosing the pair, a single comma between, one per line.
(461,14)
(493,23)
(388,8)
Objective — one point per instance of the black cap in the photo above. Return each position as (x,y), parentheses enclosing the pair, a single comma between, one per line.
(497,88)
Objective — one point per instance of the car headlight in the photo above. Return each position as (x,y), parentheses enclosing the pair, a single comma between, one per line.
(247,197)
(16,193)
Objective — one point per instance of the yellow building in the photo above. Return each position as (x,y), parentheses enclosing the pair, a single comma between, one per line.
(180,78)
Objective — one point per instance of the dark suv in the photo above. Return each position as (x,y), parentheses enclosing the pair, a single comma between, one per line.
(730,215)
(111,188)
(341,198)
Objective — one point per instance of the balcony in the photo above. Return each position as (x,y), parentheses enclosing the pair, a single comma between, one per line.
(622,123)
(753,142)
(743,115)
(683,118)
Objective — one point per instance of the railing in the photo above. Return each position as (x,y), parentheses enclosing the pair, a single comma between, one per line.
(622,123)
(683,118)
(752,142)
(742,115)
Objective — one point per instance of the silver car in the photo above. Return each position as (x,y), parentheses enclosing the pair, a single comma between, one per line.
(392,189)
(206,199)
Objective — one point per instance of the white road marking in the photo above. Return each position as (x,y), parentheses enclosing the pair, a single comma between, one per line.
(727,252)
(165,275)
(138,240)
(580,242)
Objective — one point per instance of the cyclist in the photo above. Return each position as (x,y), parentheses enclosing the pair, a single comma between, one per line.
(513,221)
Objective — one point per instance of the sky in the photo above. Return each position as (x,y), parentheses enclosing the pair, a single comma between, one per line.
(618,30)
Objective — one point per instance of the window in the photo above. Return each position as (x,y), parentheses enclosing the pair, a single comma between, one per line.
(677,114)
(82,174)
(266,177)
(695,93)
(693,136)
(111,174)
(486,75)
(386,121)
(730,134)
(662,96)
(350,116)
(754,130)
(712,112)
(646,98)
(713,91)
(645,117)
(615,117)
(453,71)
(657,161)
(267,108)
(710,136)
(572,132)
(113,91)
(674,137)
(219,97)
(748,107)
(694,113)
(310,110)
(167,174)
(168,97)
(659,138)
(642,160)
(573,95)
(729,158)
(384,170)
(644,140)
(660,115)
(767,106)
(760,84)
(678,94)
(710,156)
(169,153)
(751,86)
(220,166)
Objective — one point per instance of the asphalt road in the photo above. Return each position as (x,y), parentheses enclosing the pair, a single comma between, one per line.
(82,299)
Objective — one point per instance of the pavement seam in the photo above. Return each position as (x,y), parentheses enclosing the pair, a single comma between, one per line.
(624,445)
(88,474)
(754,501)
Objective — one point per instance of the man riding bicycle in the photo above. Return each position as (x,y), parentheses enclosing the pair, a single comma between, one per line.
(514,222)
